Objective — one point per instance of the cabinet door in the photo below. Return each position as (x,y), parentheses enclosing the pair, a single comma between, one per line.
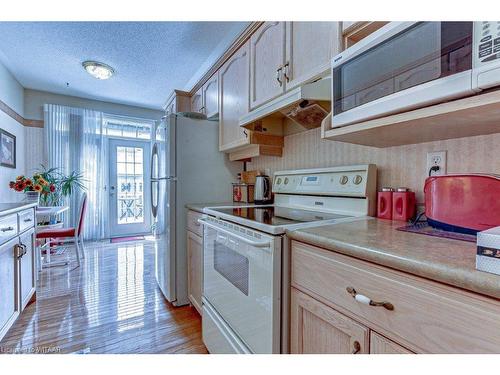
(197,101)
(319,329)
(310,47)
(267,55)
(9,302)
(195,269)
(381,345)
(233,99)
(27,268)
(211,95)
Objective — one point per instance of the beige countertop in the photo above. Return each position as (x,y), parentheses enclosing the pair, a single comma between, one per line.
(448,261)
(198,207)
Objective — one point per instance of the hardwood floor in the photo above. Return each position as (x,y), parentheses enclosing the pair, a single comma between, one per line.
(111,304)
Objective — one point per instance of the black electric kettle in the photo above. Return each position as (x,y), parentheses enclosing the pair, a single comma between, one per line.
(262,190)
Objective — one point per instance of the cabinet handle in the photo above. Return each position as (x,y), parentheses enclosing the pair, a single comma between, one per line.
(278,75)
(20,250)
(27,220)
(356,347)
(7,229)
(202,109)
(286,71)
(368,301)
(246,133)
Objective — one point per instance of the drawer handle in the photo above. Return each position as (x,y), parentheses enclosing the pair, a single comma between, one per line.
(7,229)
(356,347)
(27,220)
(368,301)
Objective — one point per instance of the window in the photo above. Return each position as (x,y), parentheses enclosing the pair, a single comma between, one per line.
(123,127)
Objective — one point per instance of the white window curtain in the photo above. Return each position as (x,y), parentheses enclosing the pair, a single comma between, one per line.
(75,141)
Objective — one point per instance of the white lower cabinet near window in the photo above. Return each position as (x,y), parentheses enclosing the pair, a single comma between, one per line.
(195,269)
(17,266)
(9,303)
(27,268)
(406,313)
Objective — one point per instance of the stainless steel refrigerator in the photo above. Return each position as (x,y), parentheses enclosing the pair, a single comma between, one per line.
(186,167)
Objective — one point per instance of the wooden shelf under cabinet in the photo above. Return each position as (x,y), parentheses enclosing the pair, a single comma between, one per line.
(471,116)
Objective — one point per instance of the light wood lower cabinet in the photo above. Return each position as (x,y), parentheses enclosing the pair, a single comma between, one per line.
(195,269)
(382,345)
(414,313)
(319,329)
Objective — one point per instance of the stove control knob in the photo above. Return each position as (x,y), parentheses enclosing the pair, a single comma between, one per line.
(286,180)
(358,179)
(278,181)
(344,180)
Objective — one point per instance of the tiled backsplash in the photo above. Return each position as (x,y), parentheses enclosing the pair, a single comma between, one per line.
(397,166)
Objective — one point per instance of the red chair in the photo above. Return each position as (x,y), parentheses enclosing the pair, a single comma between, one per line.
(57,236)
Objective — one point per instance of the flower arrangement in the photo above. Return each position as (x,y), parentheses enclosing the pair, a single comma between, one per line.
(36,183)
(52,185)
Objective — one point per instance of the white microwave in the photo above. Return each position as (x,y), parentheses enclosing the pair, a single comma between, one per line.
(407,65)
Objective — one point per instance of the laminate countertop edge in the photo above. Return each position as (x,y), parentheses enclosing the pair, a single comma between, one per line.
(198,207)
(12,208)
(444,272)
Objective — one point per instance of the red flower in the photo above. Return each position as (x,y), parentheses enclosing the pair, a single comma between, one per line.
(19,186)
(52,188)
(28,182)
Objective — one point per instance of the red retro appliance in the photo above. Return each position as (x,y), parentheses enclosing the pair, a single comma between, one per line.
(466,203)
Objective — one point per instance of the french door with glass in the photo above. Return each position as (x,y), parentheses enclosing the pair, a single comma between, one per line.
(129,193)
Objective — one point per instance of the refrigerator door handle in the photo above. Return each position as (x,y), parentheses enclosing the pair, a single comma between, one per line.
(154,193)
(154,163)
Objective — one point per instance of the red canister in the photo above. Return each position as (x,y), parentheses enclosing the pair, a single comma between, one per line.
(403,204)
(384,203)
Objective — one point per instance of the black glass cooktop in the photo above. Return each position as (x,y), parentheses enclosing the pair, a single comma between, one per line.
(272,215)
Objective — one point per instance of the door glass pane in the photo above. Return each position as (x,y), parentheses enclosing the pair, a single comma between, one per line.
(130,185)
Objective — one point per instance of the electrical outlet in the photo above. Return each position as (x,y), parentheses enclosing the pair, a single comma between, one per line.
(436,159)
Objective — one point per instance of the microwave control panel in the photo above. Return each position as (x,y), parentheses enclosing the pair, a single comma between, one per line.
(486,41)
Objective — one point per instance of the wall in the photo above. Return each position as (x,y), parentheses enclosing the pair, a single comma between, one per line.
(397,166)
(11,93)
(33,109)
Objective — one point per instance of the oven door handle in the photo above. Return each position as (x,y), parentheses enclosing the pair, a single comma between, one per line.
(234,235)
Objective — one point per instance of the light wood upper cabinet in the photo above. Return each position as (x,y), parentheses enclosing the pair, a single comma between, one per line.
(197,101)
(195,269)
(233,99)
(210,93)
(318,329)
(382,345)
(310,47)
(267,57)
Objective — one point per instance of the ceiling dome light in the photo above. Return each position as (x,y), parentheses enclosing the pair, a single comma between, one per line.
(98,70)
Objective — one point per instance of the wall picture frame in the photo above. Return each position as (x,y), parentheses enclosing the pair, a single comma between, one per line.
(7,149)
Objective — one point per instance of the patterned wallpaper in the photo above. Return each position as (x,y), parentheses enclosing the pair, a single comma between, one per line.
(397,166)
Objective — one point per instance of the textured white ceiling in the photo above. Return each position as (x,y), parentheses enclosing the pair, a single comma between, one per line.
(150,58)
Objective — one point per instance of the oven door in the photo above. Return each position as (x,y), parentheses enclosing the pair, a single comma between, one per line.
(402,66)
(242,280)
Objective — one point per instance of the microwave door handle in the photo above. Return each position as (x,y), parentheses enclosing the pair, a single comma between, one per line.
(234,235)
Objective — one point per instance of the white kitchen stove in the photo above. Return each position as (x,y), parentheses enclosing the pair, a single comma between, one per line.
(246,253)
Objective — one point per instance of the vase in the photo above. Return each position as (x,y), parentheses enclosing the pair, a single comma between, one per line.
(32,196)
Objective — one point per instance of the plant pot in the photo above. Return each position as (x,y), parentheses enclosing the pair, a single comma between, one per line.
(32,196)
